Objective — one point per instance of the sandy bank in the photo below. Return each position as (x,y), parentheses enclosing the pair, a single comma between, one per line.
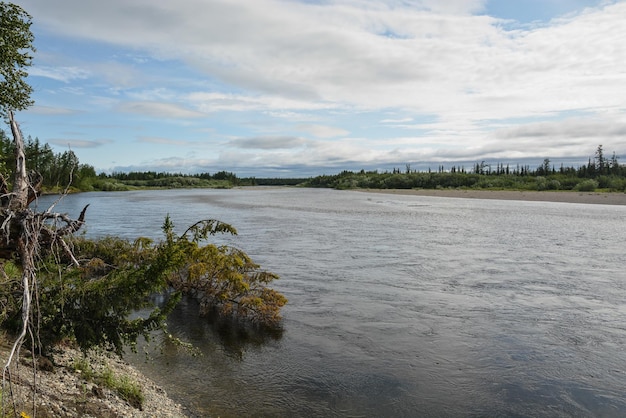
(547,196)
(63,392)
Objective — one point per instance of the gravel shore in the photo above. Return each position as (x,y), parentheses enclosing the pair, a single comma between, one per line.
(547,196)
(62,391)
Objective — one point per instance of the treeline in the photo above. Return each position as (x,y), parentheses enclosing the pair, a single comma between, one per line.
(220,179)
(152,179)
(58,170)
(598,173)
(64,169)
(274,181)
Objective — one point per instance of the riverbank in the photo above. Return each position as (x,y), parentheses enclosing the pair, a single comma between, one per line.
(545,196)
(64,390)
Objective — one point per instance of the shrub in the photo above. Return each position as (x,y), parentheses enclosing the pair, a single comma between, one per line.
(588,185)
(91,304)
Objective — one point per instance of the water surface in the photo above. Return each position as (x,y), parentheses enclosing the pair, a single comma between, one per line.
(400,305)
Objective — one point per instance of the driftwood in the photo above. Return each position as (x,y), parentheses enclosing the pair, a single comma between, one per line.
(26,234)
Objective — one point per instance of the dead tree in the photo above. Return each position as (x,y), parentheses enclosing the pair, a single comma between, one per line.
(26,234)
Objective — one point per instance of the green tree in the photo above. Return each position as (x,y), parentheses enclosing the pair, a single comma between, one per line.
(16,48)
(615,169)
(600,160)
(7,154)
(91,303)
(546,166)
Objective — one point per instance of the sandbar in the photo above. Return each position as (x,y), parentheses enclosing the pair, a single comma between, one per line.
(597,198)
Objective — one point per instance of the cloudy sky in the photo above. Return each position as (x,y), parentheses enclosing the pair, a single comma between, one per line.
(308,87)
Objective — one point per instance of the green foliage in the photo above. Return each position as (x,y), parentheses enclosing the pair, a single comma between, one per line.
(16,46)
(11,290)
(93,303)
(58,170)
(83,366)
(129,390)
(97,304)
(123,385)
(221,277)
(151,179)
(7,155)
(107,186)
(588,185)
(607,174)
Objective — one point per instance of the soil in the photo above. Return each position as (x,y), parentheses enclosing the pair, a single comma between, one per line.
(546,196)
(53,387)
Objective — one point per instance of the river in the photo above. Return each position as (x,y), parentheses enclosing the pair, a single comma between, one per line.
(399,305)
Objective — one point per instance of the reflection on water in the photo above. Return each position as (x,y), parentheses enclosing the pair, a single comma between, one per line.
(401,305)
(234,337)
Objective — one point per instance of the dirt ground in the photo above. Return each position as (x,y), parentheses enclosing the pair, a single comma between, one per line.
(547,196)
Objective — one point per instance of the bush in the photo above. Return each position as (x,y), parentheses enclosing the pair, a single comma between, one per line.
(541,183)
(569,183)
(91,304)
(617,184)
(547,184)
(588,185)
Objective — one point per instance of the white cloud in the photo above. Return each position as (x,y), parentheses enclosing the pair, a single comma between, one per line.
(396,121)
(78,143)
(64,74)
(334,54)
(268,143)
(323,131)
(215,102)
(48,110)
(117,74)
(159,110)
(165,141)
(482,85)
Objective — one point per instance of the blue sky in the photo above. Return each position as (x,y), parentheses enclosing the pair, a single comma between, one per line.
(299,88)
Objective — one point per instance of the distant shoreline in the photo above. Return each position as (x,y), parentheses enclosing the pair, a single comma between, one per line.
(596,198)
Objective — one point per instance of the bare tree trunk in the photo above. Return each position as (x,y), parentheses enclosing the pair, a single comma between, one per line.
(24,233)
(19,198)
(21,231)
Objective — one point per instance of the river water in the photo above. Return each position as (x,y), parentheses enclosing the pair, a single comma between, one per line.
(399,305)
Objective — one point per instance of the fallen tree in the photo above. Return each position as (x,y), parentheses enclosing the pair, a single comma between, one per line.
(25,235)
(86,289)
(55,287)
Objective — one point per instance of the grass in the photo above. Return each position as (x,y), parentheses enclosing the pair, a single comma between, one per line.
(123,385)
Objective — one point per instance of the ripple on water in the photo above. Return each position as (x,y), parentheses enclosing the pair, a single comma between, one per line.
(403,305)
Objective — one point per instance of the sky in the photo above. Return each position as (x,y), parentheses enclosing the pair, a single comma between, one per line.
(296,88)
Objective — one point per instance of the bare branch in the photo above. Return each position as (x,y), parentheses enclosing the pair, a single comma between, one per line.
(24,234)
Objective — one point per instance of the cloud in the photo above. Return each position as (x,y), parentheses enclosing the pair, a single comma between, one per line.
(569,129)
(217,102)
(167,141)
(268,143)
(395,121)
(118,74)
(276,69)
(333,53)
(323,131)
(159,110)
(78,143)
(48,110)
(64,74)
(172,164)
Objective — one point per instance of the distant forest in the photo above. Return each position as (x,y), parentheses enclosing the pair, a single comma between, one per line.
(600,173)
(64,171)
